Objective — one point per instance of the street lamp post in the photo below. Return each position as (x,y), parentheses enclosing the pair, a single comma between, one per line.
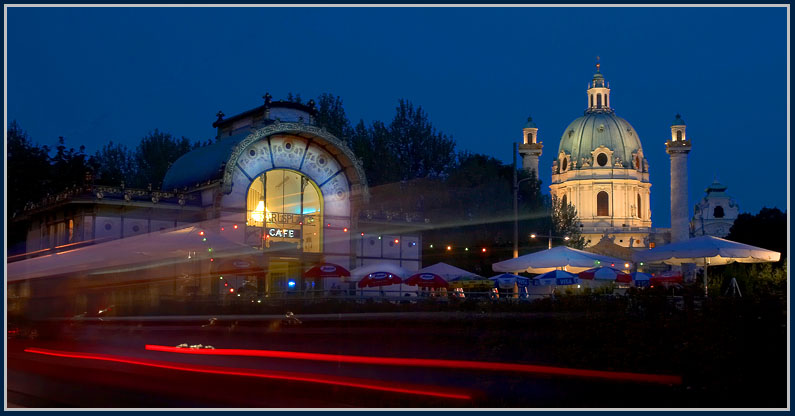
(516,206)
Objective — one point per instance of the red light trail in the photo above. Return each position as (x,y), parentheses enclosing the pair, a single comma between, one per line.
(246,372)
(424,362)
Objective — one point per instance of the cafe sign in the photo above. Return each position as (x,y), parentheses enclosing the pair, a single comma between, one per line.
(283,233)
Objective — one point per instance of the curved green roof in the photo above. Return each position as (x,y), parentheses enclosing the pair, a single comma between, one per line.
(595,129)
(678,121)
(202,164)
(530,124)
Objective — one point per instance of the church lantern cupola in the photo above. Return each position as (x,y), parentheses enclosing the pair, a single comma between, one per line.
(531,148)
(678,130)
(598,92)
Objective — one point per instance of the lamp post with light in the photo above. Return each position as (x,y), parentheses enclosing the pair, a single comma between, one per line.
(516,184)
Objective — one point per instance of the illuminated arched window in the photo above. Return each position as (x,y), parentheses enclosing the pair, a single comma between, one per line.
(639,211)
(679,135)
(288,206)
(529,138)
(598,100)
(591,100)
(602,204)
(564,201)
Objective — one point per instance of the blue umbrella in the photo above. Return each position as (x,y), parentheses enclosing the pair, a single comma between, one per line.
(557,278)
(507,280)
(641,279)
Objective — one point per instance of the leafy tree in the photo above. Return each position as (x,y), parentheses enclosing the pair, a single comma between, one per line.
(154,155)
(331,116)
(565,224)
(30,174)
(294,98)
(115,164)
(70,167)
(766,229)
(419,150)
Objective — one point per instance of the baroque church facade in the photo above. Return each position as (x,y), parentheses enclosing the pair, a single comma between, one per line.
(600,169)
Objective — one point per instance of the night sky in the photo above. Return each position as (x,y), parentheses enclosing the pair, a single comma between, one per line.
(98,74)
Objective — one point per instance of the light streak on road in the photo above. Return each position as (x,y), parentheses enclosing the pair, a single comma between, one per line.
(304,377)
(424,362)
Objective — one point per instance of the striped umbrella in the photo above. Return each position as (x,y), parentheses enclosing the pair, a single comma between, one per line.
(555,278)
(606,273)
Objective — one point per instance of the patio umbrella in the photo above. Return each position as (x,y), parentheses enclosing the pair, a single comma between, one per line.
(327,270)
(360,273)
(666,277)
(555,278)
(557,257)
(507,281)
(431,280)
(469,281)
(705,251)
(447,272)
(379,279)
(606,273)
(640,279)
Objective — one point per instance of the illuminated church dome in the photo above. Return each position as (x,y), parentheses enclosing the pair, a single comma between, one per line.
(600,170)
(596,130)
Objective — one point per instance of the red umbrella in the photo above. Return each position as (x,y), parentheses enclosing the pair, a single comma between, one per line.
(426,280)
(666,277)
(379,279)
(327,270)
(606,273)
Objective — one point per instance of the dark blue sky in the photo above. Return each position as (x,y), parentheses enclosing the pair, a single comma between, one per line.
(99,74)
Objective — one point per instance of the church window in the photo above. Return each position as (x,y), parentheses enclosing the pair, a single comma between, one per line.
(639,211)
(529,138)
(601,159)
(564,200)
(252,152)
(602,204)
(679,135)
(563,164)
(718,212)
(598,100)
(591,100)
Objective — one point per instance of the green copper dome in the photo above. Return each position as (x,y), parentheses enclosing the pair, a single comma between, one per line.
(678,121)
(595,129)
(530,124)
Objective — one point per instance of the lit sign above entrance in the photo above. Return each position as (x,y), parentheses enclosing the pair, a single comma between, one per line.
(284,233)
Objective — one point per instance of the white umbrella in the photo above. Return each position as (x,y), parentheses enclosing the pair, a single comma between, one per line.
(447,272)
(557,257)
(705,251)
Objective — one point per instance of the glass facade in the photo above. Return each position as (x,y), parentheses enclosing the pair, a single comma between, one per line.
(285,210)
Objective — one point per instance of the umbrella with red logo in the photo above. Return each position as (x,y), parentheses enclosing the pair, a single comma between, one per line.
(379,279)
(606,273)
(327,270)
(666,278)
(426,280)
